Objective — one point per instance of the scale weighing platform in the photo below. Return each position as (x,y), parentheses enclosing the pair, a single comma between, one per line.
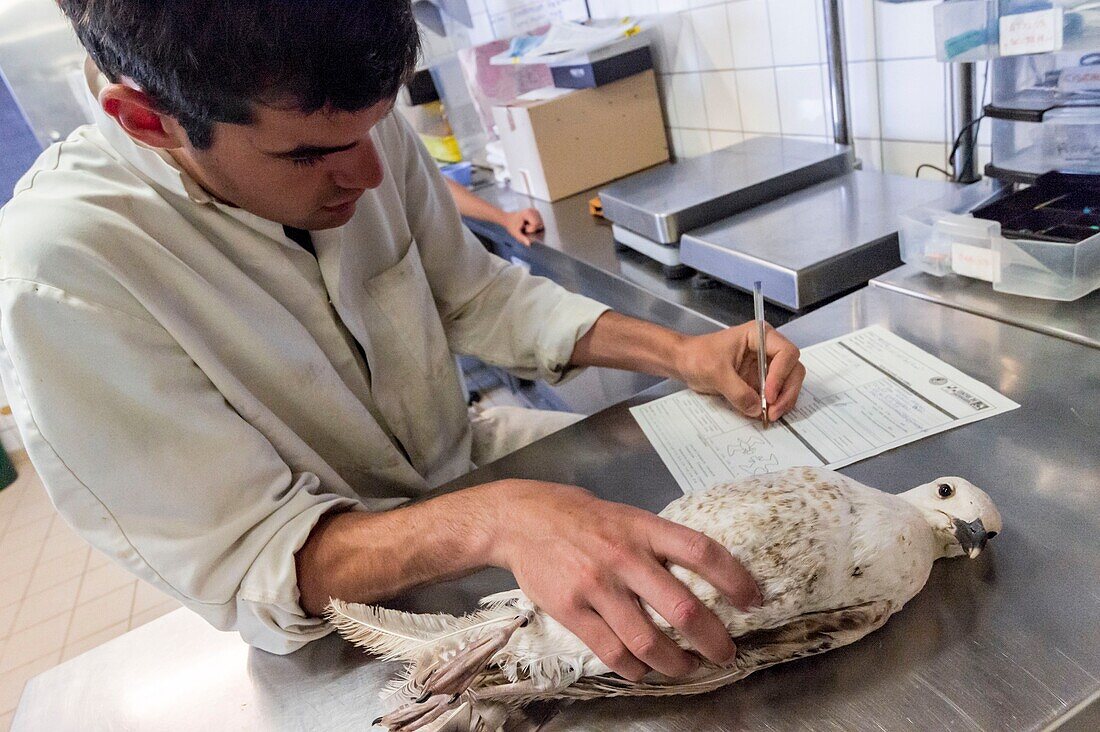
(814,243)
(651,210)
(793,214)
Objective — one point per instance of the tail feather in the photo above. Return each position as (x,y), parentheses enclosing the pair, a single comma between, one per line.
(414,637)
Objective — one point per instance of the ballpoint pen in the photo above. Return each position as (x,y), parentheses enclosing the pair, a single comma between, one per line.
(761,350)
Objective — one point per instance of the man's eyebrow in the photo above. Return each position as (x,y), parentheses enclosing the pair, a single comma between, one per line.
(311,151)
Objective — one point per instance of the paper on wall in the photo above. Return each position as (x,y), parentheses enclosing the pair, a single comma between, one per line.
(865,393)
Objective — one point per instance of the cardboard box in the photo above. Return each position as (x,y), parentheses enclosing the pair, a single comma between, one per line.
(565,141)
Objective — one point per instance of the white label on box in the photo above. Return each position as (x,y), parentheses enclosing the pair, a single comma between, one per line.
(544,93)
(1039,31)
(971,261)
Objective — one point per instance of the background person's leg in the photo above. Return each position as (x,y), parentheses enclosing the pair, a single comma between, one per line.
(498,431)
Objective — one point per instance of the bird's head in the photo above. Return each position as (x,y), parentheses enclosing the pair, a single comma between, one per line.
(962,516)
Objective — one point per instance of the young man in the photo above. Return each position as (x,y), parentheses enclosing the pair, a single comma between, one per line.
(228,313)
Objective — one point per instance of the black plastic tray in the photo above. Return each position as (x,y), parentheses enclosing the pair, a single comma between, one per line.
(1059,207)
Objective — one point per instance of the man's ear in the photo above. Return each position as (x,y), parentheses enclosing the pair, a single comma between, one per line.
(137,114)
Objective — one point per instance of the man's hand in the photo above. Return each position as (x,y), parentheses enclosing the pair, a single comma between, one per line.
(725,363)
(717,363)
(519,224)
(589,563)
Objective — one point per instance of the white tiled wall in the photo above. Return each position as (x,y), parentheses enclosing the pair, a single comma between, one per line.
(738,68)
(749,67)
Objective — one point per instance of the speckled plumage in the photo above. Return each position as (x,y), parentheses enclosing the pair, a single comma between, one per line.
(833,558)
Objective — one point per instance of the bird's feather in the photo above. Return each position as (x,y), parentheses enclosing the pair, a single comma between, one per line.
(399,636)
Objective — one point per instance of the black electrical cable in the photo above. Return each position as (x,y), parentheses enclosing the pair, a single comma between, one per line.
(933,167)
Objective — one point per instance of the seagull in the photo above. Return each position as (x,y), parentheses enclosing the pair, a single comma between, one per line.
(834,559)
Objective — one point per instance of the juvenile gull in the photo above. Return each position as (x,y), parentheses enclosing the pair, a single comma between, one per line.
(834,560)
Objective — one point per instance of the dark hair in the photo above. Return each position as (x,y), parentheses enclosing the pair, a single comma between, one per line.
(207,61)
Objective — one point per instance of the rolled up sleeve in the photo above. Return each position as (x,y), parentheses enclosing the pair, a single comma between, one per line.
(144,458)
(491,309)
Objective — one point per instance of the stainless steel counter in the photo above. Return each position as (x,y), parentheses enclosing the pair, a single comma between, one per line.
(1006,642)
(577,250)
(1077,321)
(38,53)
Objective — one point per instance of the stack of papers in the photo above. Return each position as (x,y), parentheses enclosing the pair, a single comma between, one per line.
(865,393)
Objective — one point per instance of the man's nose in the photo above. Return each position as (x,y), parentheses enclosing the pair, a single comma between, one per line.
(362,170)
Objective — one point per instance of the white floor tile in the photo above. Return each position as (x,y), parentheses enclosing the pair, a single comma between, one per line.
(101,580)
(7,618)
(60,543)
(12,682)
(92,617)
(32,534)
(141,618)
(19,562)
(148,597)
(97,559)
(71,650)
(42,606)
(57,570)
(13,588)
(5,721)
(30,511)
(40,640)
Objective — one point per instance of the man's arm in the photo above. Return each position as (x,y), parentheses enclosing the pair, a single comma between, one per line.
(721,363)
(518,224)
(585,561)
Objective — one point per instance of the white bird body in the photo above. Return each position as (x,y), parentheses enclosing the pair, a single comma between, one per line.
(833,559)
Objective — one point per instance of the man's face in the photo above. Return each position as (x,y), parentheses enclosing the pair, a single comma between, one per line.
(301,170)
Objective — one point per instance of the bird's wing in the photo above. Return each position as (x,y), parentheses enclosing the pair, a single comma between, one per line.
(808,635)
(813,539)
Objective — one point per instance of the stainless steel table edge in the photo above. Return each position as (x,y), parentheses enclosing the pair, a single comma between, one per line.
(1038,326)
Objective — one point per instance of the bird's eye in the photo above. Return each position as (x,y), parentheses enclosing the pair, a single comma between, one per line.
(946,490)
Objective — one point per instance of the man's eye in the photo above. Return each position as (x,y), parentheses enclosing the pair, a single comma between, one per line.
(307,161)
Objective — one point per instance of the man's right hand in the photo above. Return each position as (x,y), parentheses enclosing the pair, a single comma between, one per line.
(589,562)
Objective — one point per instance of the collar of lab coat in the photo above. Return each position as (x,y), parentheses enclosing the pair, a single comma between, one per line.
(159,167)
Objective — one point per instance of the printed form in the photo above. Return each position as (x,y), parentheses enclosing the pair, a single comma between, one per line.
(865,393)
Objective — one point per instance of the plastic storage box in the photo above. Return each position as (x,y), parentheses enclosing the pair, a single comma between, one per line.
(1068,140)
(973,30)
(1043,241)
(1025,88)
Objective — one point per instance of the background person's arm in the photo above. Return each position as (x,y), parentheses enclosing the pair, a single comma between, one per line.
(519,224)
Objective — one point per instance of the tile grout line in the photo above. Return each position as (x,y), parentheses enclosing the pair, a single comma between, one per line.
(23,594)
(133,604)
(80,586)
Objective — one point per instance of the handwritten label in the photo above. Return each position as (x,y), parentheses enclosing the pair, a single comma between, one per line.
(1079,79)
(977,262)
(1039,31)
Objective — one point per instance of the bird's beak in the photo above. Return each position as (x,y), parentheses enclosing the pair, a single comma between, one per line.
(972,536)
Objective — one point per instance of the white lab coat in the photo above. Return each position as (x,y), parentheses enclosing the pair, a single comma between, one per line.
(185,377)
